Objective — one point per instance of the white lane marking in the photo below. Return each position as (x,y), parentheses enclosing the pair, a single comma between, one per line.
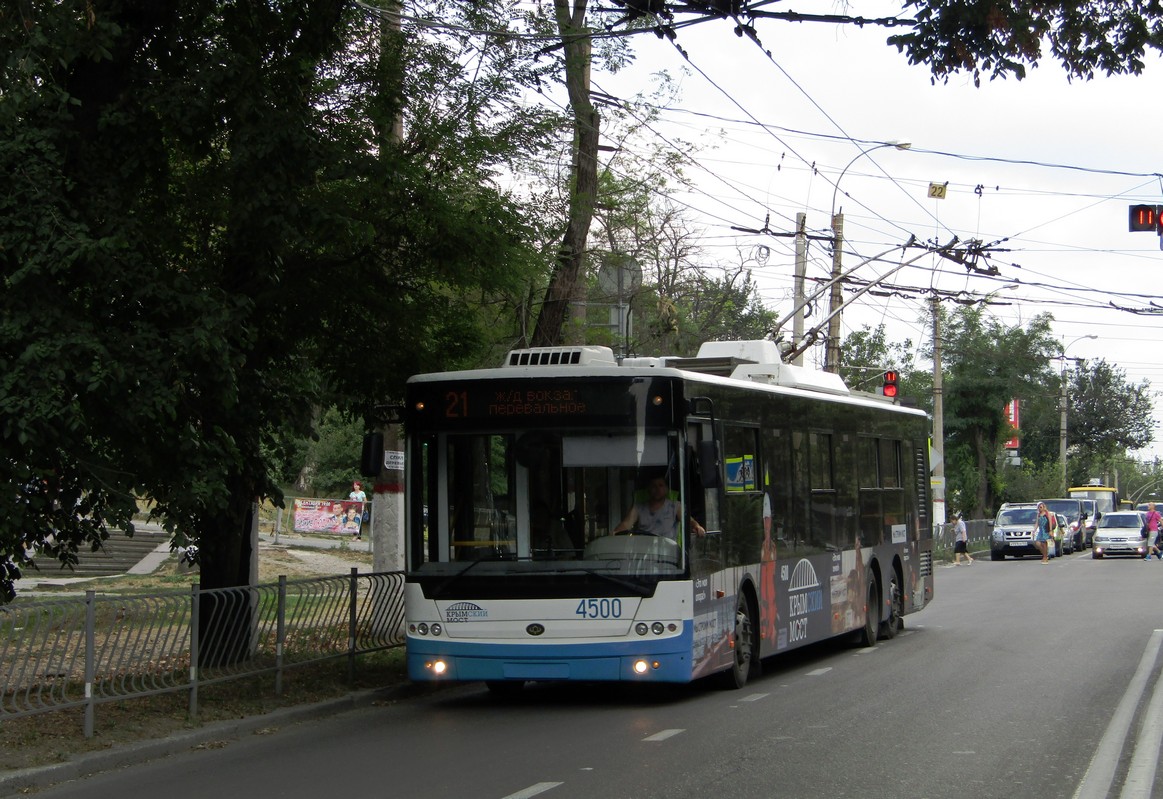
(662,736)
(754,697)
(533,790)
(867,650)
(818,672)
(1100,774)
(1141,777)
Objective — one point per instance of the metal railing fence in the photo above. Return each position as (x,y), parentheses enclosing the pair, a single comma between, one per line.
(978,529)
(87,651)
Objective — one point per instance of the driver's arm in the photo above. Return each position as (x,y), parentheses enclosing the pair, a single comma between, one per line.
(627,522)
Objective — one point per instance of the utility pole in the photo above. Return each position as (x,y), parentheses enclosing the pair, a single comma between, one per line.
(938,420)
(801,270)
(832,348)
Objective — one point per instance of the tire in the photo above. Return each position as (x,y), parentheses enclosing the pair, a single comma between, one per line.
(997,556)
(745,653)
(1095,556)
(896,609)
(866,636)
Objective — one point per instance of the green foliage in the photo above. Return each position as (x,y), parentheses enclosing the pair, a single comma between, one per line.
(1000,39)
(209,231)
(867,353)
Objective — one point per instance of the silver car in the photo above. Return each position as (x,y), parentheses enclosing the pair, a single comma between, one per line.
(1120,533)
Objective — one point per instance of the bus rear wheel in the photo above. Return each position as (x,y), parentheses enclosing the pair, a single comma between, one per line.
(744,650)
(866,636)
(896,609)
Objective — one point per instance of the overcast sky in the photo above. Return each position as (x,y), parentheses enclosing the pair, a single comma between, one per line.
(1042,168)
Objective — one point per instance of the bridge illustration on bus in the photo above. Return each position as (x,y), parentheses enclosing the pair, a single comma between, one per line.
(573,516)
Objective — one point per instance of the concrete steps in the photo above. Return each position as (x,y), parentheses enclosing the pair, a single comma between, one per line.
(118,555)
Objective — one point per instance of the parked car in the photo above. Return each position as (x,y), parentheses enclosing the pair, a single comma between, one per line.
(1090,509)
(1074,512)
(1013,531)
(1119,532)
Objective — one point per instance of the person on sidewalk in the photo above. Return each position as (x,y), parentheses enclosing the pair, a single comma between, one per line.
(960,541)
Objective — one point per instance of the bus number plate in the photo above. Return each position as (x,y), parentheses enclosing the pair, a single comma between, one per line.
(599,609)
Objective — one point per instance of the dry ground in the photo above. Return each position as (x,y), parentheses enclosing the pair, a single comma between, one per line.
(58,737)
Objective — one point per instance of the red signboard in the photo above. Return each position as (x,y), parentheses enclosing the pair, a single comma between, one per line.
(1012,416)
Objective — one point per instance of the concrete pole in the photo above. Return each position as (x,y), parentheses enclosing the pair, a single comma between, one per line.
(1062,432)
(832,348)
(939,514)
(801,270)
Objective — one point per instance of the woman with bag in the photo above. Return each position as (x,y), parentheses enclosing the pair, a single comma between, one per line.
(1042,533)
(1153,521)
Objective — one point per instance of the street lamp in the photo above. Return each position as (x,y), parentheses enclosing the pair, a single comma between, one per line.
(1062,413)
(832,349)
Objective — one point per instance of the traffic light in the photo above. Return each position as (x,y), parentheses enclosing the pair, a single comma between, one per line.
(1145,217)
(890,378)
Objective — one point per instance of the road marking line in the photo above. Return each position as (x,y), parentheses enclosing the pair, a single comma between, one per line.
(533,790)
(662,736)
(1141,776)
(754,697)
(1096,782)
(819,672)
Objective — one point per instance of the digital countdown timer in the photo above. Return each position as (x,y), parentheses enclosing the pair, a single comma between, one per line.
(1145,217)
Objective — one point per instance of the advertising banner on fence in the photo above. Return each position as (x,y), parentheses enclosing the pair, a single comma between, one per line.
(328,516)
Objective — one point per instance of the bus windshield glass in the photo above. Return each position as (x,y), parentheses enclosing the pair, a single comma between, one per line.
(542,501)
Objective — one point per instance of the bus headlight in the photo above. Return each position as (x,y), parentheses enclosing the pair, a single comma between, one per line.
(641,666)
(641,628)
(657,628)
(436,628)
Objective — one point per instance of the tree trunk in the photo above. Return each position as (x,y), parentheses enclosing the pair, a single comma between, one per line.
(225,554)
(566,284)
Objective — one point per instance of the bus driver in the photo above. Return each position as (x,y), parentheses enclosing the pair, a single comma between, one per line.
(658,514)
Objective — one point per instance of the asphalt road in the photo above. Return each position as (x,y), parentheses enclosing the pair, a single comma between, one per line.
(1019,680)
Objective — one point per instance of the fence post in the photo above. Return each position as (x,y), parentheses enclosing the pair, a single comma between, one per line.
(90,655)
(195,638)
(353,608)
(280,633)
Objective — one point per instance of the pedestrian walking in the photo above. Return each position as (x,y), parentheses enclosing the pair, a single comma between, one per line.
(1154,523)
(1042,533)
(960,541)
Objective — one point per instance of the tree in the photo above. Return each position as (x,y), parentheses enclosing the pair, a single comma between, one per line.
(1108,415)
(205,237)
(867,353)
(986,364)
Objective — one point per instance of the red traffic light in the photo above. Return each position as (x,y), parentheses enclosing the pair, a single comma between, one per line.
(890,378)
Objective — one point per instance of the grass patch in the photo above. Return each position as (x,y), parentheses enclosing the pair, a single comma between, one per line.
(58,737)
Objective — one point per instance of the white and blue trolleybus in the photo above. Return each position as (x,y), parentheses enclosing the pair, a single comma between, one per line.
(571,516)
